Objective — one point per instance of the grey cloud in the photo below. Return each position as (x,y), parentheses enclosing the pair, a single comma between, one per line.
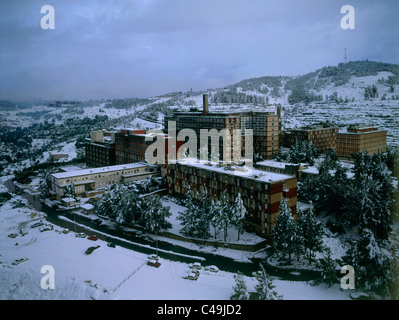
(103,49)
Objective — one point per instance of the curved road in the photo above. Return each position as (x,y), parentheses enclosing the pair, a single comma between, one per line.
(164,249)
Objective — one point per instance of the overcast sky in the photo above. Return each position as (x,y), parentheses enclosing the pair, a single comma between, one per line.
(143,48)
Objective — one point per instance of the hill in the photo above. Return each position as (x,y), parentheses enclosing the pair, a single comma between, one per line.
(358,92)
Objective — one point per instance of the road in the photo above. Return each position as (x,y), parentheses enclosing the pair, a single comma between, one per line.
(145,244)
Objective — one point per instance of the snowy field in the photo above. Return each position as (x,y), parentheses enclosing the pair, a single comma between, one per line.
(108,273)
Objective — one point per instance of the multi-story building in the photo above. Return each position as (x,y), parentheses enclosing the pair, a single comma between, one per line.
(87,182)
(361,138)
(132,144)
(266,131)
(100,149)
(261,191)
(324,138)
(265,126)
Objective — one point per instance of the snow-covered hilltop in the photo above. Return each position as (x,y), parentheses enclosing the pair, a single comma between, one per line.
(359,92)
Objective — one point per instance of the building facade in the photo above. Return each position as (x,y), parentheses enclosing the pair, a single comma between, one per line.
(357,138)
(89,182)
(265,125)
(324,138)
(100,149)
(261,191)
(130,146)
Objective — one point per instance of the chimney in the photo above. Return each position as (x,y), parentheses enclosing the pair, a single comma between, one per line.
(205,104)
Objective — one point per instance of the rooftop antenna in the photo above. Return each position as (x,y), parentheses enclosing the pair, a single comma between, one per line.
(345,57)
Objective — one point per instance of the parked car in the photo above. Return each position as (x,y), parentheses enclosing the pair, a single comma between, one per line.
(66,231)
(98,221)
(13,235)
(111,244)
(212,268)
(18,261)
(37,224)
(47,228)
(91,249)
(191,276)
(153,257)
(94,238)
(81,235)
(153,263)
(195,265)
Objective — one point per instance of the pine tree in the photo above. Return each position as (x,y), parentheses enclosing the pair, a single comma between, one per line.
(70,191)
(370,198)
(284,232)
(188,220)
(155,216)
(265,287)
(45,185)
(328,269)
(394,279)
(238,215)
(312,233)
(371,260)
(196,218)
(240,290)
(225,213)
(215,216)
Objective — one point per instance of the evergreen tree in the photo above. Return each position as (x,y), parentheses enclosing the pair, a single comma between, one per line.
(45,185)
(196,219)
(240,290)
(216,222)
(312,233)
(188,220)
(328,269)
(70,191)
(371,261)
(285,231)
(120,204)
(225,213)
(371,195)
(265,287)
(154,218)
(394,279)
(238,215)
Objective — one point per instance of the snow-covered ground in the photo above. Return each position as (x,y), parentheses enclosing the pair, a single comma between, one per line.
(67,148)
(108,273)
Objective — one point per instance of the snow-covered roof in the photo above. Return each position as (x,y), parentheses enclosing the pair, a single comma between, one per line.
(70,168)
(3,188)
(280,165)
(271,163)
(246,172)
(87,206)
(84,172)
(315,170)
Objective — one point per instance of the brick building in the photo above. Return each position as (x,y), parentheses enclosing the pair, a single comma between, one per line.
(130,146)
(324,138)
(261,191)
(361,138)
(100,149)
(265,125)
